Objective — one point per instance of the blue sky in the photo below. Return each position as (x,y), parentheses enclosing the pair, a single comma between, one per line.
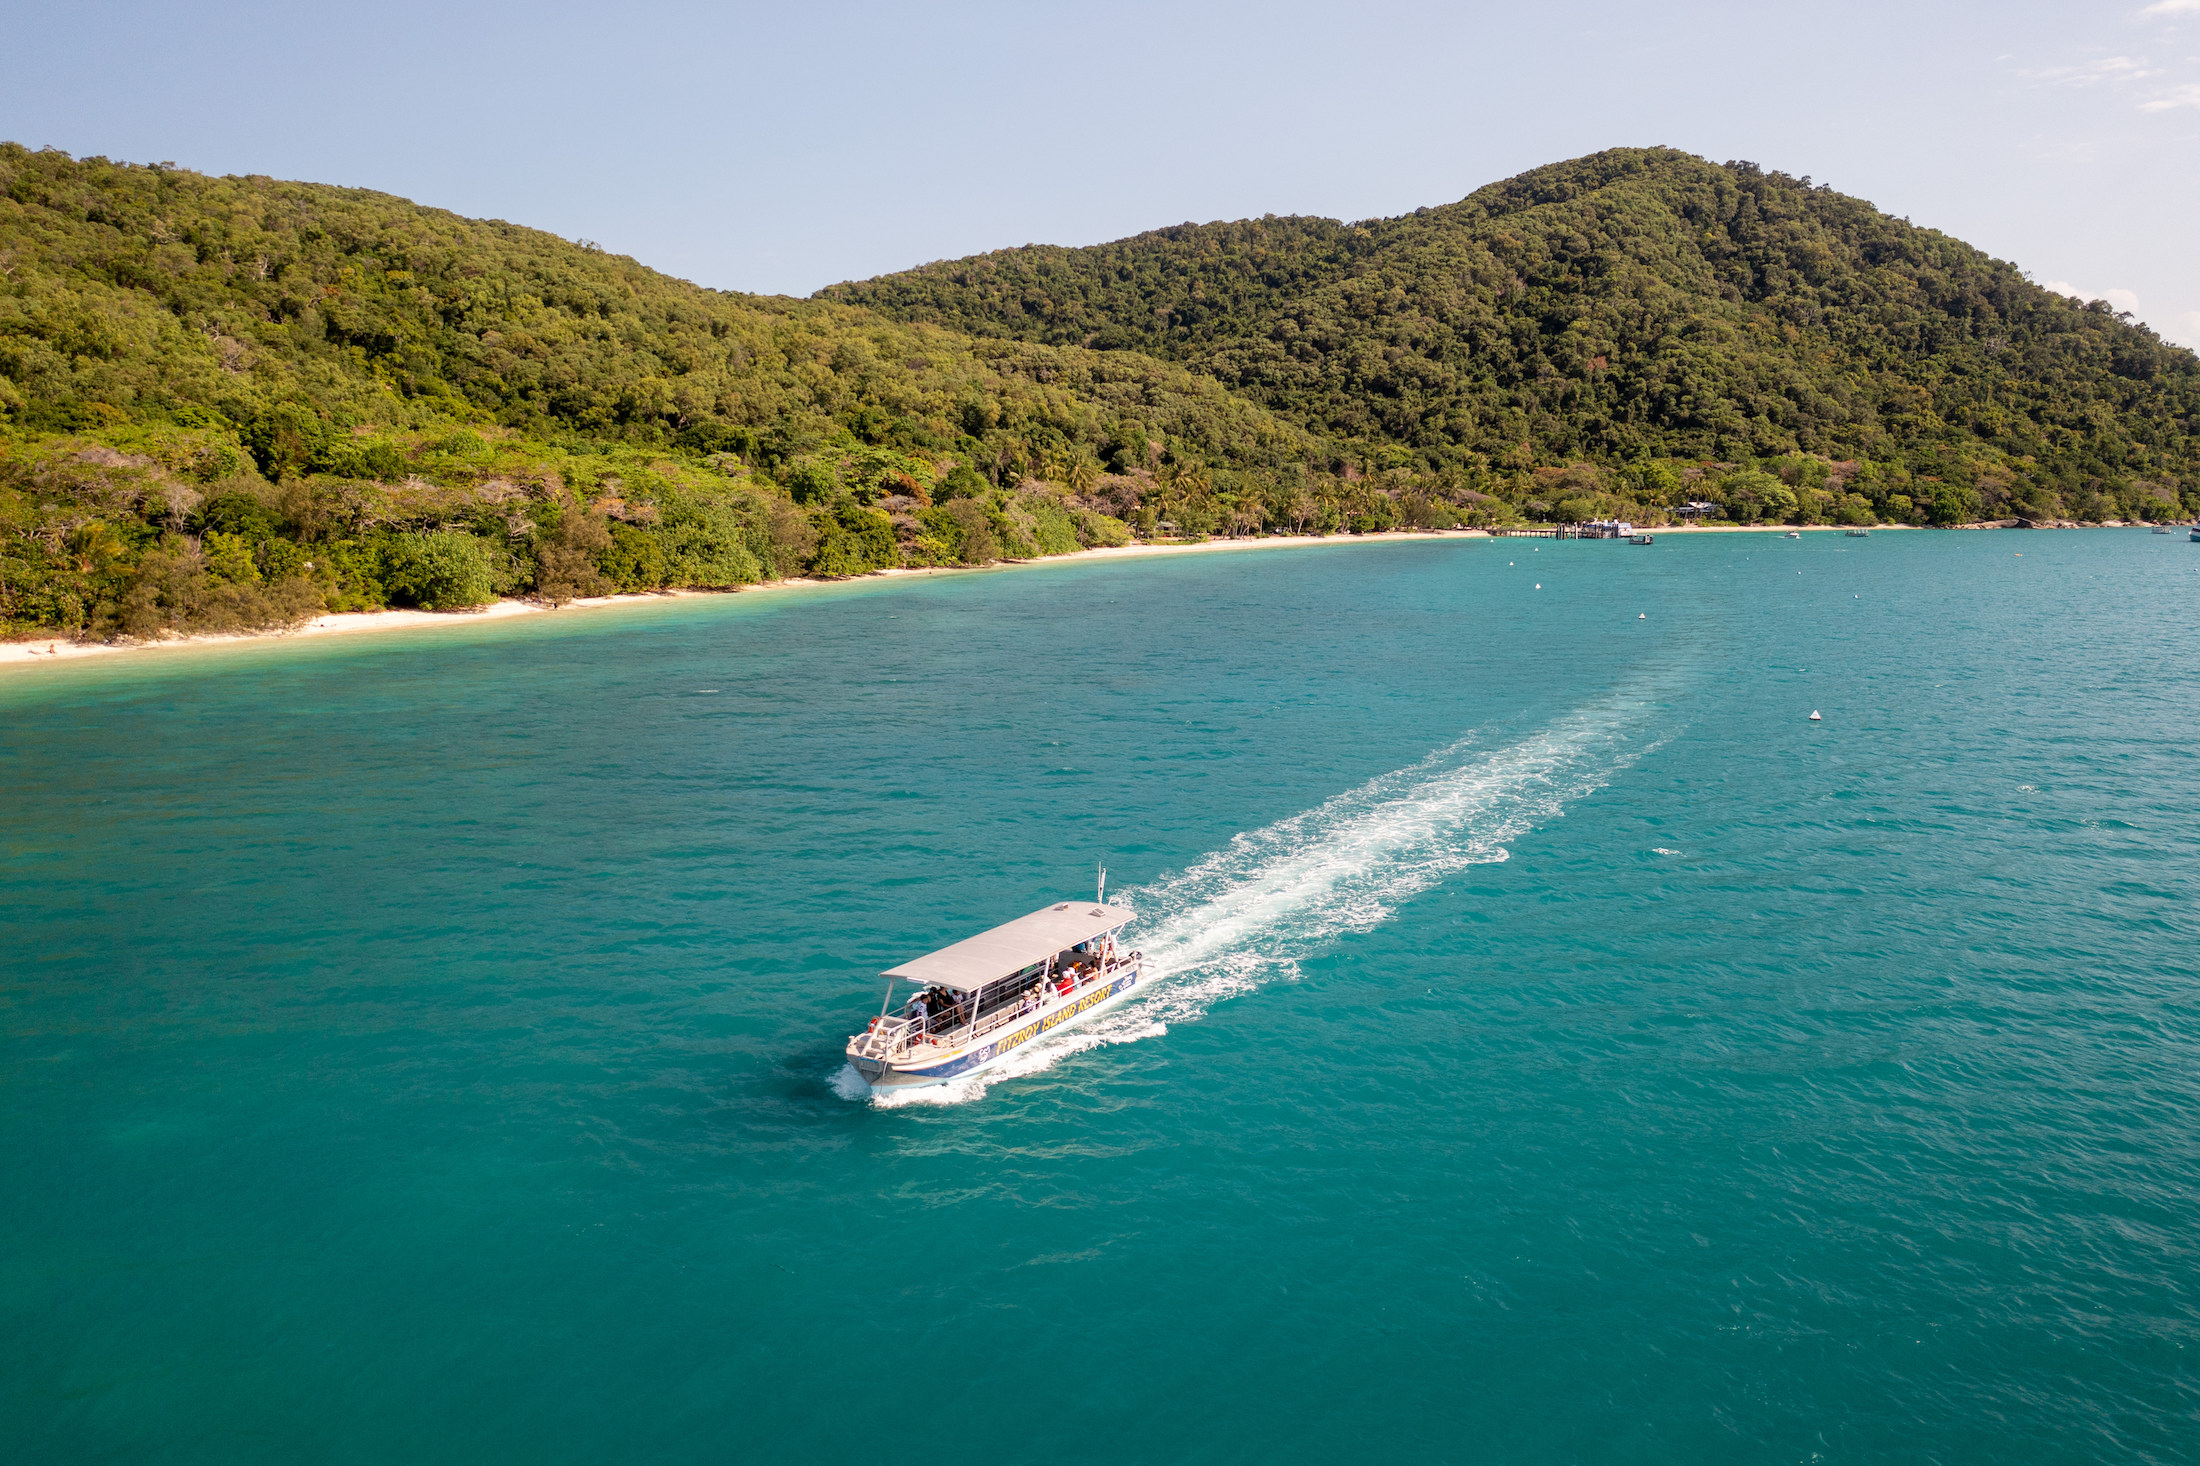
(783,148)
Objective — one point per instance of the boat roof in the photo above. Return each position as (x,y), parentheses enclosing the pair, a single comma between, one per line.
(990,956)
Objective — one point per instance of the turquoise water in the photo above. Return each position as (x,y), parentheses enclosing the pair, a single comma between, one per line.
(426,1047)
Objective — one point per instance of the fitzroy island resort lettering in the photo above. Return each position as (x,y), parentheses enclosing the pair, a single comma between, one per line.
(986,995)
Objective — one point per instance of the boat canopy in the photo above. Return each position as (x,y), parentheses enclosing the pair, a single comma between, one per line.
(990,956)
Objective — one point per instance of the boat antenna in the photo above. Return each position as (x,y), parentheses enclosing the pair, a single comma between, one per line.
(1101,897)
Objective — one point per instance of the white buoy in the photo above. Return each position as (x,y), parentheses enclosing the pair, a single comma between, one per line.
(1642,615)
(1814,716)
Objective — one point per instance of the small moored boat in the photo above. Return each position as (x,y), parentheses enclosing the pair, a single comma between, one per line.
(1859,534)
(1642,539)
(1794,534)
(988,995)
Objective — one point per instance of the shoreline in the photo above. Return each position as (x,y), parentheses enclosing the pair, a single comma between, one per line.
(45,651)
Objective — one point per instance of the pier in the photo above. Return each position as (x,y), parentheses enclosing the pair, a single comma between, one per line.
(1595,529)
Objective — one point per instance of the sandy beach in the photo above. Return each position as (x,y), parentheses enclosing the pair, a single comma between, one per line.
(48,650)
(52,649)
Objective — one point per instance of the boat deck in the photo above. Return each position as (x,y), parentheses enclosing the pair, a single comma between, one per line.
(894,1039)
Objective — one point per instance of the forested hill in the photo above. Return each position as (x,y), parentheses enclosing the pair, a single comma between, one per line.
(235,402)
(1638,303)
(231,401)
(135,292)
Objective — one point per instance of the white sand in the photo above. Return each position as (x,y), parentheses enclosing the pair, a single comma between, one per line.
(53,649)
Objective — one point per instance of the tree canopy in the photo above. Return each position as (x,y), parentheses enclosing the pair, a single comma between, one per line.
(371,374)
(235,402)
(1635,304)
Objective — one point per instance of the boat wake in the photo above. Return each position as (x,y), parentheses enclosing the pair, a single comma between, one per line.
(1248,914)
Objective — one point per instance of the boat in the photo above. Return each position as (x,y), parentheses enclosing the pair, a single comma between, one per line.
(1642,539)
(2196,534)
(2163,529)
(986,996)
(1794,534)
(1859,534)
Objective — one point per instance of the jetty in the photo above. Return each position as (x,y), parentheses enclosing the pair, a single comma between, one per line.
(1592,529)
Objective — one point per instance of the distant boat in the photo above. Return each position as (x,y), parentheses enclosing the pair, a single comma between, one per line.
(1814,716)
(1641,539)
(1860,534)
(2163,529)
(1795,534)
(2196,534)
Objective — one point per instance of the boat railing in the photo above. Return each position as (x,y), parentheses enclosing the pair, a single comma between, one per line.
(892,1034)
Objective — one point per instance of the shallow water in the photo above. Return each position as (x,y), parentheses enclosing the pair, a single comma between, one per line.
(428,1046)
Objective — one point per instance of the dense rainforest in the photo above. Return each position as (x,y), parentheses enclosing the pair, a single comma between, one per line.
(233,402)
(229,403)
(1647,316)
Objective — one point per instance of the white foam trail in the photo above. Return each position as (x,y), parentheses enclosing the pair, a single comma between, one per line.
(1248,913)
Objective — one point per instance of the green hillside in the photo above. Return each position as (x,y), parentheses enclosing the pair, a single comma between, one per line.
(1637,307)
(234,401)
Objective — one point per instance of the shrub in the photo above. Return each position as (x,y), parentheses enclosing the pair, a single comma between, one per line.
(1052,529)
(636,559)
(1952,504)
(855,541)
(567,558)
(711,547)
(436,572)
(229,558)
(962,482)
(1095,529)
(927,550)
(810,483)
(241,514)
(1749,496)
(170,591)
(351,576)
(964,530)
(1418,511)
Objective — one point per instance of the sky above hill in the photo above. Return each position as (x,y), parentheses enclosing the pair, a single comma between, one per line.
(781,148)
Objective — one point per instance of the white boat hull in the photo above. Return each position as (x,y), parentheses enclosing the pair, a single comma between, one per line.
(912,1070)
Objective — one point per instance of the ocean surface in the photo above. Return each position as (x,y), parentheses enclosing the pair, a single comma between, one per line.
(427,1047)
